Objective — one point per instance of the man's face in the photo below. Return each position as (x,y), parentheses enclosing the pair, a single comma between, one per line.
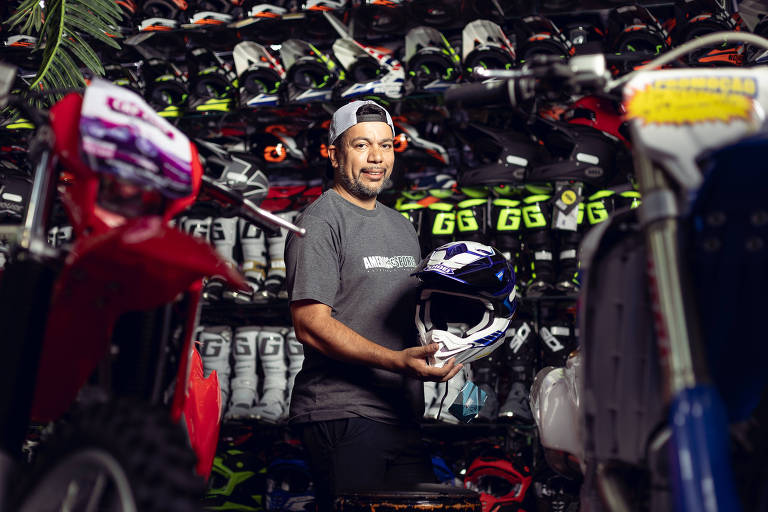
(363,159)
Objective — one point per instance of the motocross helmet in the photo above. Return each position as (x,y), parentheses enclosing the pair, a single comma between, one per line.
(484,44)
(237,480)
(497,10)
(540,36)
(634,33)
(211,82)
(310,73)
(167,89)
(465,282)
(278,150)
(238,170)
(17,189)
(600,113)
(164,9)
(316,146)
(377,17)
(582,31)
(577,152)
(431,62)
(437,13)
(18,49)
(125,76)
(757,54)
(315,26)
(324,5)
(263,22)
(495,157)
(499,481)
(414,149)
(259,75)
(696,18)
(267,10)
(368,71)
(289,485)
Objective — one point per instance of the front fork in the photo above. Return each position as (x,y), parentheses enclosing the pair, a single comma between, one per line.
(25,293)
(700,469)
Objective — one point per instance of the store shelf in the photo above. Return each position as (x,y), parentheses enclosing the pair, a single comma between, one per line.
(274,312)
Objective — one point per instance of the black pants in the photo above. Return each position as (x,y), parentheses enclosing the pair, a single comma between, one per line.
(361,454)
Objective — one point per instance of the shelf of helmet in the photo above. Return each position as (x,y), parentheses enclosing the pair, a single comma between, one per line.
(218,65)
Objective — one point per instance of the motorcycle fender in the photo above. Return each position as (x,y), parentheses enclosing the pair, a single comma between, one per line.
(202,413)
(556,411)
(138,266)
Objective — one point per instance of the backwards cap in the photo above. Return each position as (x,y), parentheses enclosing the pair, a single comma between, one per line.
(347,116)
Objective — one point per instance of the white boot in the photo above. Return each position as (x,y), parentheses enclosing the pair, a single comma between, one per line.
(245,380)
(274,368)
(223,237)
(295,351)
(253,242)
(275,282)
(217,342)
(199,227)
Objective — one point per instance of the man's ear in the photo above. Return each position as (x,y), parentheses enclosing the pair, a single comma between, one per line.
(333,156)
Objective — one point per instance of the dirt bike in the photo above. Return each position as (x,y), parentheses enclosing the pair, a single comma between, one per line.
(98,335)
(645,414)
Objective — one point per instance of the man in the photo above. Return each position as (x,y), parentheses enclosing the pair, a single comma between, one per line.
(359,395)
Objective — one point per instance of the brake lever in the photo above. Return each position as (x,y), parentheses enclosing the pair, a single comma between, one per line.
(245,207)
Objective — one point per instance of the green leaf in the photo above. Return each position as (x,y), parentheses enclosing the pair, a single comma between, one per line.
(52,38)
(70,68)
(109,8)
(61,27)
(53,79)
(29,14)
(84,53)
(91,20)
(84,26)
(79,17)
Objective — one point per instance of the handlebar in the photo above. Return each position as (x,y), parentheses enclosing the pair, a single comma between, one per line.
(550,77)
(545,76)
(245,207)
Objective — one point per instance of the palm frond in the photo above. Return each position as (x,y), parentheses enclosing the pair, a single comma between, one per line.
(63,29)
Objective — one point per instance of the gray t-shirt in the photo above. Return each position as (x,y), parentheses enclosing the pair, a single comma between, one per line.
(358,262)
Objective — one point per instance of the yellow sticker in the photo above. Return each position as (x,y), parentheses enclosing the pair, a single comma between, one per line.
(568,197)
(693,100)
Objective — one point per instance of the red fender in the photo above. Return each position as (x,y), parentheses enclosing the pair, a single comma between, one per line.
(138,266)
(202,413)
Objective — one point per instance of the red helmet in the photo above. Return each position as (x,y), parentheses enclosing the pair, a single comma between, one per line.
(499,482)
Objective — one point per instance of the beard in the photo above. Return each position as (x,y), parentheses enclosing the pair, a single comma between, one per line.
(356,187)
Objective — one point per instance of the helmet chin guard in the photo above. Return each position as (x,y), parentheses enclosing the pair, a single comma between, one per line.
(468,284)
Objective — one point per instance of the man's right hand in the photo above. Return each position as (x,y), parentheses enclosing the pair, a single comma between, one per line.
(413,362)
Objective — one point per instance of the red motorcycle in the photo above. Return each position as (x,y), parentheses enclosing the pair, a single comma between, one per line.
(99,335)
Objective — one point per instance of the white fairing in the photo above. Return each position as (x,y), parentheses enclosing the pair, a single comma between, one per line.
(554,401)
(676,115)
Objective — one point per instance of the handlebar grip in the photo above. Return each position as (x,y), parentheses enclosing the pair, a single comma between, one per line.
(479,94)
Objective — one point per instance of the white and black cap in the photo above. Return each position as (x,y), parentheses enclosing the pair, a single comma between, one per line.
(347,116)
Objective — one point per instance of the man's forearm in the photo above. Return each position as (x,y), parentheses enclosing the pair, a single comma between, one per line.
(337,341)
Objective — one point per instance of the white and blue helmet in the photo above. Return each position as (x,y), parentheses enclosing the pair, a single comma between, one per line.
(465,284)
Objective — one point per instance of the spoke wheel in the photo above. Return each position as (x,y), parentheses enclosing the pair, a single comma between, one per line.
(123,456)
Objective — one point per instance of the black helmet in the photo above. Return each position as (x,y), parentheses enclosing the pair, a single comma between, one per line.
(495,156)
